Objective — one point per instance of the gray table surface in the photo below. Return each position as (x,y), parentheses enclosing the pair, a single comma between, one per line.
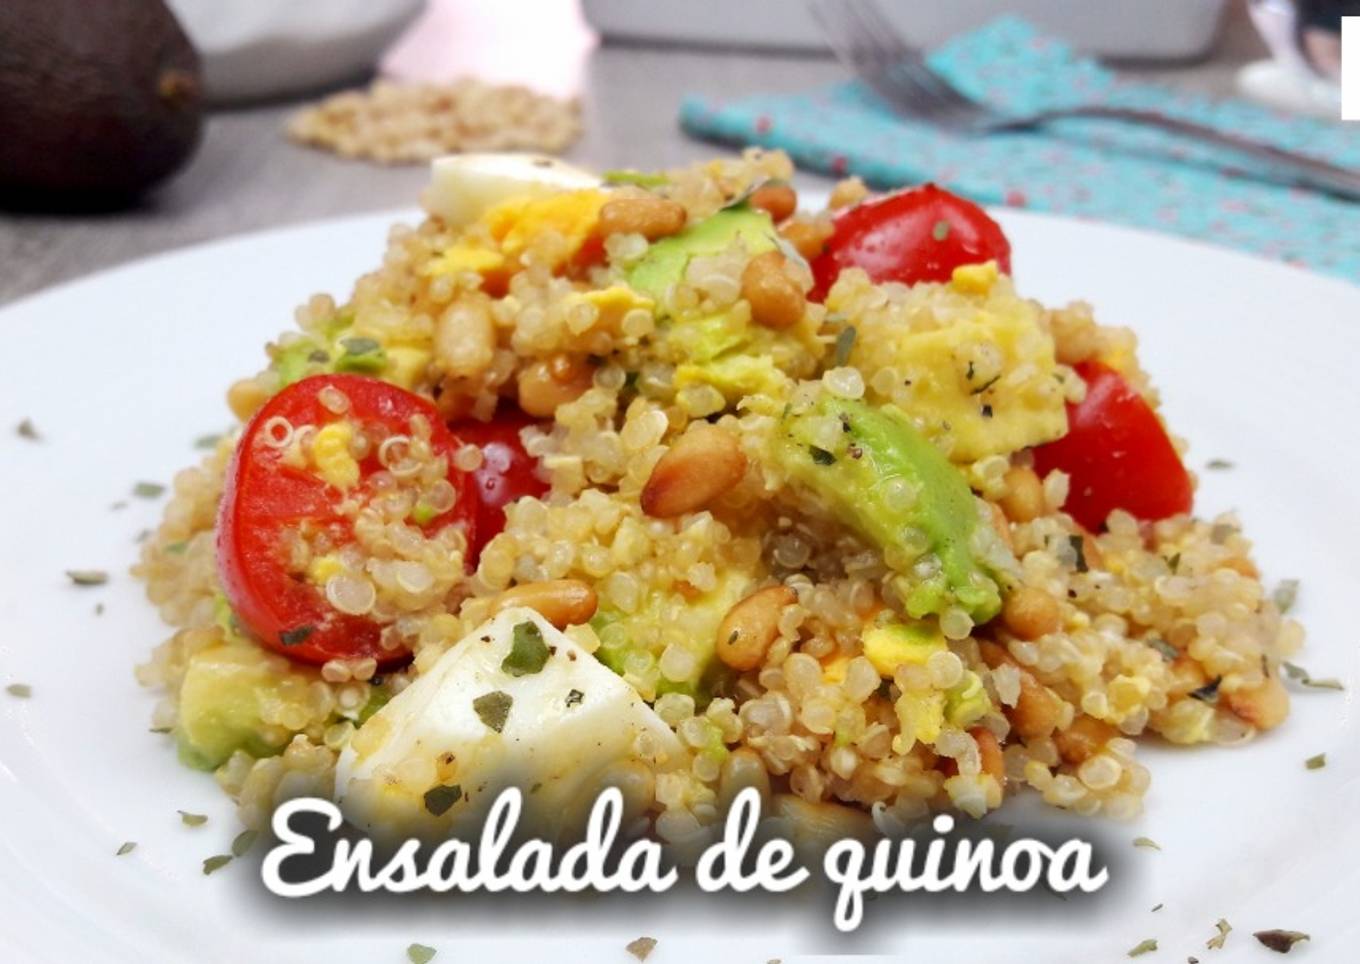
(248,176)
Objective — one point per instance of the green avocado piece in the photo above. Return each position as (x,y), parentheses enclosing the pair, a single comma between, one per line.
(665,261)
(888,482)
(220,704)
(298,359)
(618,632)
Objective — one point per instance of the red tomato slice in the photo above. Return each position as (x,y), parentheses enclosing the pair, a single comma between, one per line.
(507,472)
(920,234)
(266,498)
(1117,454)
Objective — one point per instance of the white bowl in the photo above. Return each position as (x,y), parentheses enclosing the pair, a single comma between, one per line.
(257,49)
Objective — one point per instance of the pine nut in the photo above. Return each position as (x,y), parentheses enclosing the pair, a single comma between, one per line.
(1264,706)
(808,238)
(989,750)
(651,217)
(1024,498)
(544,385)
(702,464)
(776,300)
(750,628)
(1038,710)
(1031,613)
(776,199)
(562,602)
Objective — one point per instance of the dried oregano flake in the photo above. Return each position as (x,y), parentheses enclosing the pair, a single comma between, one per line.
(641,947)
(1281,942)
(493,708)
(420,953)
(528,652)
(191,819)
(439,799)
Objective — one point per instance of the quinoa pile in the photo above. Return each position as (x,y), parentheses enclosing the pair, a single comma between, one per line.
(1100,638)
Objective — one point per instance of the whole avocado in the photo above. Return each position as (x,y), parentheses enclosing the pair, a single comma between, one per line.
(98,101)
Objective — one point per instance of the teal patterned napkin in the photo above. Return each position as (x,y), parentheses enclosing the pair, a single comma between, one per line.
(1101,169)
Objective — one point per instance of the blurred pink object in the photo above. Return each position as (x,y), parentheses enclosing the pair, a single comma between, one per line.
(542,44)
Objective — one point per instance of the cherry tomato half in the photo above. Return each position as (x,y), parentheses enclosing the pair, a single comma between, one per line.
(1117,454)
(920,234)
(271,499)
(507,472)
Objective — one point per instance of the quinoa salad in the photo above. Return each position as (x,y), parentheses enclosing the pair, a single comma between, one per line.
(656,481)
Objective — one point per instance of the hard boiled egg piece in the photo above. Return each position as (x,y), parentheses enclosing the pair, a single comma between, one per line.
(464,186)
(430,763)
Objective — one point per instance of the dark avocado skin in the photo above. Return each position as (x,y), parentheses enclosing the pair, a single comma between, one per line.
(99,101)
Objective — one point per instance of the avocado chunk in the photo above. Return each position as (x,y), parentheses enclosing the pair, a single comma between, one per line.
(98,101)
(665,262)
(624,637)
(222,701)
(881,477)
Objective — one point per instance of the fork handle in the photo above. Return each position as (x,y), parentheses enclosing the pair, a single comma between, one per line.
(1297,169)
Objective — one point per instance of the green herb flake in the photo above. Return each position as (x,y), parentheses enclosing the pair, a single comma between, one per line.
(1208,693)
(148,490)
(1078,544)
(638,178)
(1169,653)
(1215,943)
(213,864)
(20,691)
(438,800)
(1282,942)
(1219,465)
(420,954)
(87,577)
(940,231)
(1301,675)
(845,344)
(207,441)
(1316,762)
(361,355)
(126,848)
(1147,843)
(191,819)
(1143,947)
(528,651)
(177,548)
(243,841)
(575,698)
(25,429)
(821,456)
(292,637)
(1286,594)
(493,709)
(422,514)
(641,948)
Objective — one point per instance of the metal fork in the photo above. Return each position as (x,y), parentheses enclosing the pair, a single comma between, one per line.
(867,43)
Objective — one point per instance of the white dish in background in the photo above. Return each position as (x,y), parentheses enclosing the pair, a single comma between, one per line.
(121,371)
(1145,30)
(255,49)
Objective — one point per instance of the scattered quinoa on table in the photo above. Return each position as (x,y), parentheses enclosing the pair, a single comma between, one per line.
(657,482)
(412,123)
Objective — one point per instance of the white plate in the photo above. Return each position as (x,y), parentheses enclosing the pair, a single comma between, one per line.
(121,371)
